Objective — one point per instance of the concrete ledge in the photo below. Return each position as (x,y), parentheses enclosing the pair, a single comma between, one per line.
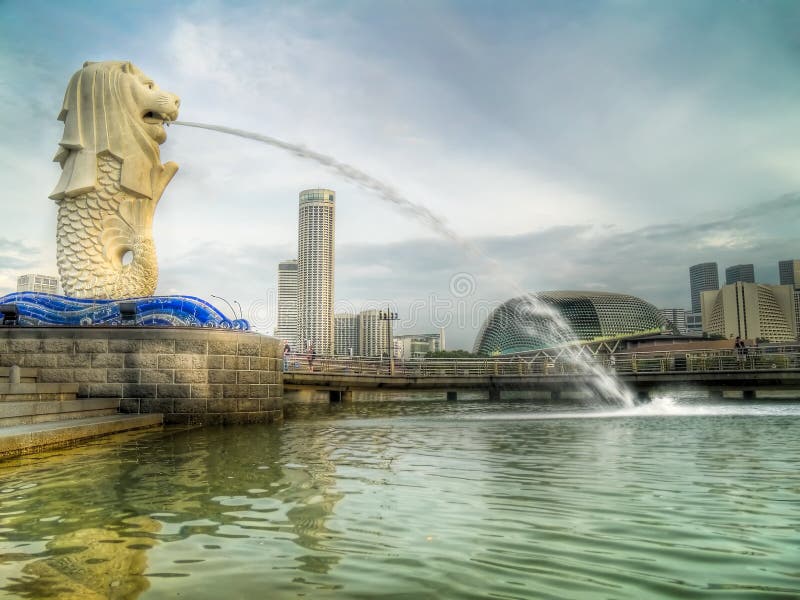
(180,372)
(28,375)
(25,439)
(38,388)
(54,408)
(225,418)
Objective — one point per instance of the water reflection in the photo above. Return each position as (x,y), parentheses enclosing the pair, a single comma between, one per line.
(429,499)
(95,504)
(90,563)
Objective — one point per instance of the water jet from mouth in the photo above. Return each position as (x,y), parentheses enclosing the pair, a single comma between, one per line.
(605,384)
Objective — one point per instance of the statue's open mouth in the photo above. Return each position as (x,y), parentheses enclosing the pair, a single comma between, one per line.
(157,118)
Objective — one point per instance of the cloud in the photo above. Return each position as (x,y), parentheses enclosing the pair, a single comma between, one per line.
(420,278)
(606,145)
(16,257)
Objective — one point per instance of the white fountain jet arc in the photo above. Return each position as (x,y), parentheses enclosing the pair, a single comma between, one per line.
(604,383)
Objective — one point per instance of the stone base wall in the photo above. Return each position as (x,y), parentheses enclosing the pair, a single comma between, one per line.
(191,375)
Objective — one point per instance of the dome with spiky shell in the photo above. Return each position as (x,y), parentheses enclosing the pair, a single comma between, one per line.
(547,319)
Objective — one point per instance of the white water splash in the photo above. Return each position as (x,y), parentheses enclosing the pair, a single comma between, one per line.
(660,406)
(559,332)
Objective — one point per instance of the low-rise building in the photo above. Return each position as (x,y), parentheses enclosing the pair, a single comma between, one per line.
(675,317)
(418,345)
(33,282)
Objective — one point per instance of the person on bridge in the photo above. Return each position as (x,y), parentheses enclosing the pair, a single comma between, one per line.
(287,350)
(311,356)
(741,350)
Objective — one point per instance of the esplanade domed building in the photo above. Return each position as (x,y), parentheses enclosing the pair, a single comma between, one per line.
(525,323)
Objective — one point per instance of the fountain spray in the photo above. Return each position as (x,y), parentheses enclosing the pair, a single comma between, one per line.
(558,329)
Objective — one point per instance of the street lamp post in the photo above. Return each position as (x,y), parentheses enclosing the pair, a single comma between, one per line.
(226,302)
(241,312)
(389,316)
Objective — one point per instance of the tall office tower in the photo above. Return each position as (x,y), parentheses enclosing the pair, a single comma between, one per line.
(740,273)
(702,278)
(373,334)
(37,283)
(675,317)
(287,304)
(345,334)
(789,271)
(315,262)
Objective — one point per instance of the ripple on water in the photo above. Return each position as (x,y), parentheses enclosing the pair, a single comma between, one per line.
(423,500)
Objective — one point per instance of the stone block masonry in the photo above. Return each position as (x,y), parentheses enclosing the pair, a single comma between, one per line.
(193,376)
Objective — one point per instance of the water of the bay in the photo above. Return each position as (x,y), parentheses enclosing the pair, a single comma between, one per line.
(419,498)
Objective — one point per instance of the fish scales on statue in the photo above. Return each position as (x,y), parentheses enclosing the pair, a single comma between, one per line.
(112,180)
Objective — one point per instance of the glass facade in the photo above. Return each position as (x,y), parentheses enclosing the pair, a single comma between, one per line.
(702,278)
(789,272)
(742,273)
(516,326)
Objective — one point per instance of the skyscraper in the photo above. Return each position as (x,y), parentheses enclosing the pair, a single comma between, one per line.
(315,265)
(740,273)
(373,334)
(345,334)
(789,271)
(287,304)
(702,278)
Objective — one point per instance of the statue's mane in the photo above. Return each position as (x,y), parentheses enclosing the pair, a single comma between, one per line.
(97,116)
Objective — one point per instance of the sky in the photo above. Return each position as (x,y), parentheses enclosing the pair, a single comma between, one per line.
(578,145)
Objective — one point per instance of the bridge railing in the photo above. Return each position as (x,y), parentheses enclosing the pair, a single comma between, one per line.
(679,361)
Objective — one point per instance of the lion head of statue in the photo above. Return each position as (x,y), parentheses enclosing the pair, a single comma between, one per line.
(114,107)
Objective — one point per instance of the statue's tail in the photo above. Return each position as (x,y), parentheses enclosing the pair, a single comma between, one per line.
(128,246)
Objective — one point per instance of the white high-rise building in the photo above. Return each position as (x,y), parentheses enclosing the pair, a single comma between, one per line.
(373,334)
(315,266)
(345,334)
(37,283)
(286,329)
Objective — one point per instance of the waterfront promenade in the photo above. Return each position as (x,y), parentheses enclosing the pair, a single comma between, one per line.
(554,371)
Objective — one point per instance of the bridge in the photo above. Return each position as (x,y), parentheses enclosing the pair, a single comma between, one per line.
(554,372)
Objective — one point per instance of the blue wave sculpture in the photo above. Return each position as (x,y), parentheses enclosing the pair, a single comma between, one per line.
(38,309)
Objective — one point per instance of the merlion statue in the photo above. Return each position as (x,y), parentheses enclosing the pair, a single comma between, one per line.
(112,180)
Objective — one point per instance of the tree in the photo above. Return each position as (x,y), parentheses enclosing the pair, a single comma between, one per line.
(452,354)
